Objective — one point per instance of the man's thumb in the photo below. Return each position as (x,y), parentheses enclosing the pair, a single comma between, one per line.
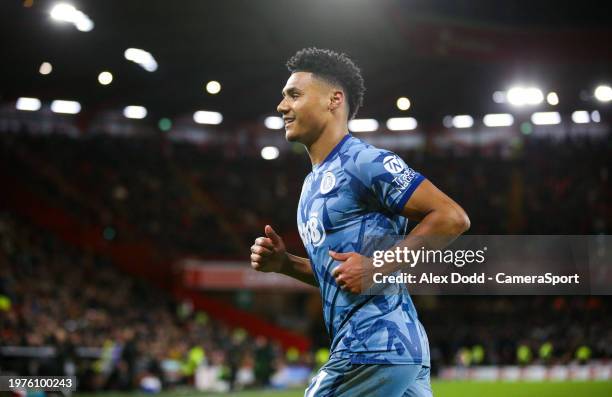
(338,256)
(272,234)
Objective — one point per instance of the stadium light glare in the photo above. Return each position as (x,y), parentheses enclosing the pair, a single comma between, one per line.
(65,107)
(45,68)
(603,93)
(546,118)
(165,124)
(274,123)
(269,153)
(499,97)
(581,117)
(207,117)
(64,12)
(363,125)
(142,58)
(403,103)
(28,104)
(213,87)
(552,98)
(498,120)
(105,78)
(520,96)
(463,121)
(447,121)
(595,116)
(401,123)
(83,23)
(135,112)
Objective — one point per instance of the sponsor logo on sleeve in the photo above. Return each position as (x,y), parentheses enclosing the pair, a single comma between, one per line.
(403,180)
(403,176)
(393,164)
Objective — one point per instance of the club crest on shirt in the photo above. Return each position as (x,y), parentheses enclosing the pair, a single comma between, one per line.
(328,182)
(393,164)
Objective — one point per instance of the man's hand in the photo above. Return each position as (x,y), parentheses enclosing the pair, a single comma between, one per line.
(354,273)
(268,254)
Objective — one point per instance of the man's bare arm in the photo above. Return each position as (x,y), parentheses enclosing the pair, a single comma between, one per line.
(441,219)
(300,269)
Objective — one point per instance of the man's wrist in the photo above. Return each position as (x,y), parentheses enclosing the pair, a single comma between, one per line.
(286,265)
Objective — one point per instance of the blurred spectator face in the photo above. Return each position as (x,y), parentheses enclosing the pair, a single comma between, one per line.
(305,107)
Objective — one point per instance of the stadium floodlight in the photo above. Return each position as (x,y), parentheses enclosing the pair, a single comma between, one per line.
(552,98)
(403,103)
(595,116)
(29,104)
(45,68)
(603,93)
(581,117)
(63,12)
(363,125)
(105,78)
(499,97)
(274,123)
(142,58)
(498,120)
(401,123)
(463,121)
(520,96)
(269,153)
(66,107)
(447,121)
(83,23)
(135,112)
(207,117)
(546,118)
(213,87)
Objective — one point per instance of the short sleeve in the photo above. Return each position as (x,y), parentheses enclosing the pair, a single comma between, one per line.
(386,176)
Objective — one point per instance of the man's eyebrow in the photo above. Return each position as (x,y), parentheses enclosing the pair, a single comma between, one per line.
(290,90)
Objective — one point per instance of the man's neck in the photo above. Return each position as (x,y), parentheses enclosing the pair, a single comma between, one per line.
(327,141)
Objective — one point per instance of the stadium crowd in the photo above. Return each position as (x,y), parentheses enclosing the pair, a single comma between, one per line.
(211,201)
(107,328)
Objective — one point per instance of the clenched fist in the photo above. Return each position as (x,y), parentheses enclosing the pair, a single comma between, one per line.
(268,254)
(354,272)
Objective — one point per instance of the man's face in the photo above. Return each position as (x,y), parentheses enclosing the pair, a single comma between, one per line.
(305,107)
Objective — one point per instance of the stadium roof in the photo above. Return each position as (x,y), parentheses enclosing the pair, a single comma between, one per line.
(447,56)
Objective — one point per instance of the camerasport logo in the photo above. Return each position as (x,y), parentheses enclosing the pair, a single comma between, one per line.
(312,232)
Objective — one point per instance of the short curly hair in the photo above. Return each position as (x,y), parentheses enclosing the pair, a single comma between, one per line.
(333,67)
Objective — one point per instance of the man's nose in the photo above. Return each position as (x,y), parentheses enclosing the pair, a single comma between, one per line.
(282,107)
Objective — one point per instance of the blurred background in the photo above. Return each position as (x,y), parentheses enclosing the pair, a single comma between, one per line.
(141,154)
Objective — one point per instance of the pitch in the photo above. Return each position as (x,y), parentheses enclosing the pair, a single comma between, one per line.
(440,389)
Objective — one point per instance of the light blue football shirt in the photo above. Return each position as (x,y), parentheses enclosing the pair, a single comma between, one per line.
(354,196)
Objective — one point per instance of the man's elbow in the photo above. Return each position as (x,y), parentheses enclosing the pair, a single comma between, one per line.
(462,221)
(459,221)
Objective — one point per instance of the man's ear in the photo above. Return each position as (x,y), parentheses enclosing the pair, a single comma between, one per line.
(336,101)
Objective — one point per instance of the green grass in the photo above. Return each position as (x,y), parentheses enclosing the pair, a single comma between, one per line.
(519,389)
(440,388)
